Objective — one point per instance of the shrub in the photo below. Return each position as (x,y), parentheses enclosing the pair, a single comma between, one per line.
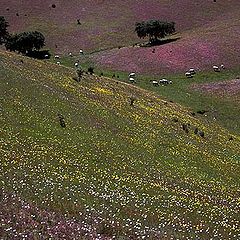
(79,74)
(132,100)
(91,70)
(61,120)
(196,131)
(185,128)
(201,133)
(201,111)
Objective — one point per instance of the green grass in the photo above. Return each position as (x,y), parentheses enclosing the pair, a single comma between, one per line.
(224,110)
(122,161)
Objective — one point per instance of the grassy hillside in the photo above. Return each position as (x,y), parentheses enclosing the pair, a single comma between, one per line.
(131,169)
(107,24)
(208,31)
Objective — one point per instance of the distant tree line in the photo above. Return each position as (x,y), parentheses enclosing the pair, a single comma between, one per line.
(25,42)
(154,29)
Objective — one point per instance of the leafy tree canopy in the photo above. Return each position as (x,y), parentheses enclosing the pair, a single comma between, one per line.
(154,29)
(25,42)
(3,29)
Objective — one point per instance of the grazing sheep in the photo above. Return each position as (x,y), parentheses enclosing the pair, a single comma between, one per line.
(76,64)
(81,51)
(155,83)
(58,63)
(164,81)
(222,66)
(192,71)
(216,69)
(188,75)
(57,57)
(46,56)
(132,75)
(132,80)
(70,54)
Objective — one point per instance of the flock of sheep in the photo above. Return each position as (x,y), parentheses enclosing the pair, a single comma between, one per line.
(57,57)
(189,74)
(132,76)
(191,71)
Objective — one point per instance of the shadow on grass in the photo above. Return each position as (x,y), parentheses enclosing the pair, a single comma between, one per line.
(160,42)
(43,54)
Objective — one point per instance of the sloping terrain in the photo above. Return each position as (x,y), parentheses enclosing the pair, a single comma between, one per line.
(225,89)
(150,170)
(208,31)
(107,24)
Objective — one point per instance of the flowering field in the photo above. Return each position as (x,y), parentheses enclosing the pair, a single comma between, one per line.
(115,171)
(107,24)
(229,88)
(208,31)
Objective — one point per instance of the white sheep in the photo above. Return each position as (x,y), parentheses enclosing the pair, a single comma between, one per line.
(132,80)
(58,63)
(155,83)
(222,66)
(133,74)
(188,75)
(76,64)
(46,56)
(192,71)
(164,81)
(70,54)
(216,69)
(81,51)
(57,57)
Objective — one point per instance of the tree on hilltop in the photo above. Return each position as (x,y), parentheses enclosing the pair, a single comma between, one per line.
(3,29)
(154,29)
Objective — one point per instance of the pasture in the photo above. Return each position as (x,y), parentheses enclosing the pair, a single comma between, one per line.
(116,169)
(103,158)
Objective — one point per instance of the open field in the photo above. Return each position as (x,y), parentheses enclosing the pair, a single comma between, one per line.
(229,89)
(133,169)
(208,31)
(134,161)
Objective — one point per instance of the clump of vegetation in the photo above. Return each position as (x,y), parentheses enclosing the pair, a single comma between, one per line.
(201,134)
(25,42)
(196,130)
(61,120)
(175,119)
(91,70)
(79,74)
(201,111)
(154,29)
(132,100)
(185,128)
(3,30)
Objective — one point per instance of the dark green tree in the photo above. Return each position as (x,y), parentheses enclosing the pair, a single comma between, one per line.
(3,29)
(25,42)
(154,29)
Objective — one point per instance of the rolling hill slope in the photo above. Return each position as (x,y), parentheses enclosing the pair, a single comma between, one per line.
(208,31)
(133,168)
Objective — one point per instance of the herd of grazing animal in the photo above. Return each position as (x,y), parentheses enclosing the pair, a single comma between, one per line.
(191,72)
(132,76)
(57,57)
